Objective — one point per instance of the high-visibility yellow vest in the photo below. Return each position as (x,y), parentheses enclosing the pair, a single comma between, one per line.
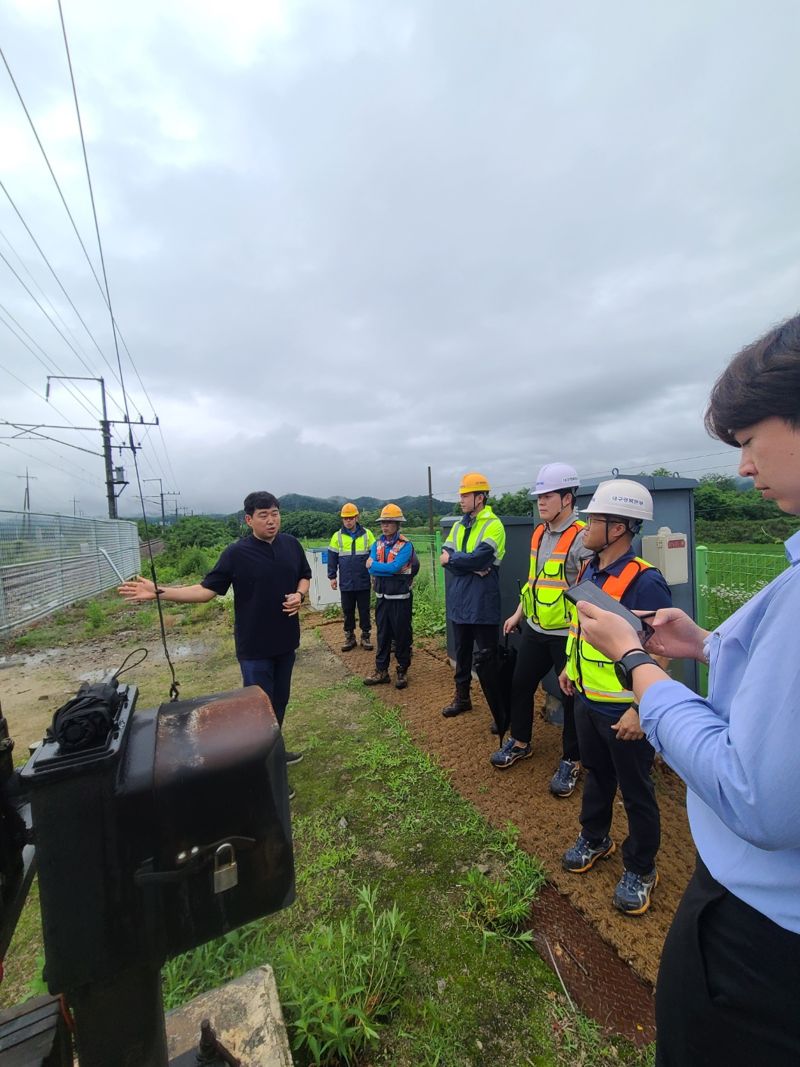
(487,527)
(591,671)
(359,546)
(542,596)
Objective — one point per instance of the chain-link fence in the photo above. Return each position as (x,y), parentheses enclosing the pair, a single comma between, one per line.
(727,580)
(50,561)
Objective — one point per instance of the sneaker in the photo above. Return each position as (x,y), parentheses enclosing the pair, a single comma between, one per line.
(493,728)
(632,895)
(378,678)
(293,757)
(292,793)
(508,755)
(563,782)
(402,678)
(583,855)
(366,644)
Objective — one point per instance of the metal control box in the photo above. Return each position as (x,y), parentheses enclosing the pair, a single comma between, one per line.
(670,553)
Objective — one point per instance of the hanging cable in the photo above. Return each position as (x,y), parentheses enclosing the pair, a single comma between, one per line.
(58,281)
(174,687)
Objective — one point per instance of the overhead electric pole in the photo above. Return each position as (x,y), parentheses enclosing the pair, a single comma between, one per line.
(114,476)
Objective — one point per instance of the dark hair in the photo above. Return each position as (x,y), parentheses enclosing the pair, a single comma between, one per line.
(761,382)
(260,501)
(573,492)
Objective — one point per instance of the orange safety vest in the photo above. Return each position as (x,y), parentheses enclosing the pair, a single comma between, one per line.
(591,671)
(392,554)
(543,595)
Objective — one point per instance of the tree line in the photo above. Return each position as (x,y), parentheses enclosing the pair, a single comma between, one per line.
(726,510)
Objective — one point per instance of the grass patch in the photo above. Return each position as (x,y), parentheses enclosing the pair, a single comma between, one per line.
(406,942)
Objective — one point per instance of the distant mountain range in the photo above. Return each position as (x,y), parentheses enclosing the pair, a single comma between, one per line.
(332,504)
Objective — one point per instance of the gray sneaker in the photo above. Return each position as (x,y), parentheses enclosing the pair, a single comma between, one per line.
(508,755)
(632,895)
(583,855)
(563,782)
(293,757)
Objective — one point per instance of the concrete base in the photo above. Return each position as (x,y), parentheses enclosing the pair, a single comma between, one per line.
(246,1015)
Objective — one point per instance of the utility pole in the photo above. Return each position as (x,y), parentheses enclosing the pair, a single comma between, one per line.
(176,495)
(114,476)
(75,503)
(26,502)
(161,496)
(430,503)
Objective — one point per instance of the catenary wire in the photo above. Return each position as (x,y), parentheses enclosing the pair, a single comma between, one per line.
(174,687)
(58,281)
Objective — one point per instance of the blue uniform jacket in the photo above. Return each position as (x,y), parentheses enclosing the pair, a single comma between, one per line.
(347,553)
(389,581)
(473,597)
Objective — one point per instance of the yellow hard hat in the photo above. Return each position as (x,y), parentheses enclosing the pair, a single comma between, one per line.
(349,511)
(391,513)
(472,482)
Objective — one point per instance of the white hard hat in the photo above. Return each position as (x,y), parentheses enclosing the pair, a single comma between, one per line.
(622,497)
(554,478)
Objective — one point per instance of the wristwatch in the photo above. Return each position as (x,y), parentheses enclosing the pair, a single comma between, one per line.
(302,596)
(625,666)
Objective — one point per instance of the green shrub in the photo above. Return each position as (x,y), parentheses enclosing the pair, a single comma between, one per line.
(501,906)
(428,611)
(95,616)
(194,560)
(343,980)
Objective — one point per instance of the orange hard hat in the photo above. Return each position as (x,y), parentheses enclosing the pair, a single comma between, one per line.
(472,482)
(349,511)
(391,513)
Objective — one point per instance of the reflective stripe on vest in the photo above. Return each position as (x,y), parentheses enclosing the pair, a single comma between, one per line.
(354,550)
(452,539)
(591,671)
(543,596)
(392,554)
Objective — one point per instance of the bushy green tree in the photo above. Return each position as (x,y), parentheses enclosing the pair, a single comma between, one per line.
(519,503)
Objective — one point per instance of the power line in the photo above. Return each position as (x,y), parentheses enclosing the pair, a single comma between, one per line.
(174,687)
(46,314)
(46,158)
(52,363)
(58,281)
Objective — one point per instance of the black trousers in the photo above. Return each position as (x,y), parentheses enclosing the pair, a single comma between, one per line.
(467,634)
(536,655)
(352,599)
(610,763)
(393,619)
(728,984)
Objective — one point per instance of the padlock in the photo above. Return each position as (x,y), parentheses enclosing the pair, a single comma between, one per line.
(226,871)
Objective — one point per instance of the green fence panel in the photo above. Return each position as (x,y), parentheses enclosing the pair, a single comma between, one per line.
(733,577)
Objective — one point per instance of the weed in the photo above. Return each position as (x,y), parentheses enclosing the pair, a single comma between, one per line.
(95,616)
(501,906)
(581,1041)
(343,980)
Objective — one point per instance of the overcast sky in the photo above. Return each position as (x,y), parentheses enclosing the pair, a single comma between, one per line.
(348,239)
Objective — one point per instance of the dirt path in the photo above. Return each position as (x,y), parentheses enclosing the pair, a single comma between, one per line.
(548,825)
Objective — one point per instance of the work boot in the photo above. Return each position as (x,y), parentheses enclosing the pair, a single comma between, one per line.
(378,678)
(349,641)
(366,644)
(402,679)
(460,702)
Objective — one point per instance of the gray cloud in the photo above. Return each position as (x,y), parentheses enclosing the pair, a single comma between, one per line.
(346,243)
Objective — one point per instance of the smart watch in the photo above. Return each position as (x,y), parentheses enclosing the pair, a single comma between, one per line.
(625,666)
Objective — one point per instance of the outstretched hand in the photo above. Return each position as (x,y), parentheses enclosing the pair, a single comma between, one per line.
(137,590)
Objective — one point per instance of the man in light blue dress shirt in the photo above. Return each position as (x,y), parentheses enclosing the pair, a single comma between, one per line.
(728,991)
